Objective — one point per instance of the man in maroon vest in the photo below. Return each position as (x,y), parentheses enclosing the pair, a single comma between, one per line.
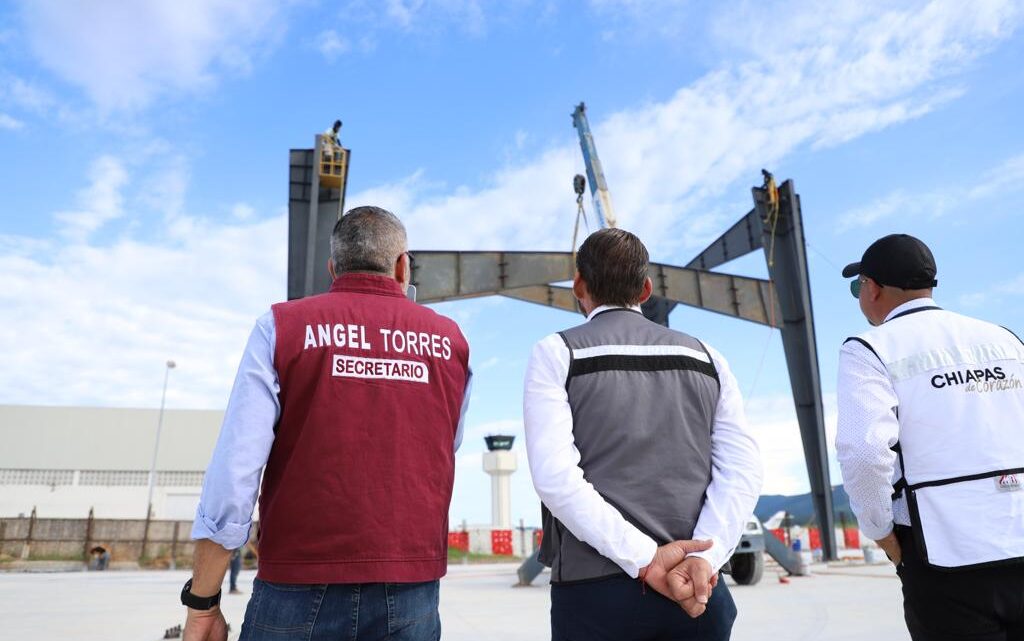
(352,401)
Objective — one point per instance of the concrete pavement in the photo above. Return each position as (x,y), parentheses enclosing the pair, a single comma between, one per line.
(844,602)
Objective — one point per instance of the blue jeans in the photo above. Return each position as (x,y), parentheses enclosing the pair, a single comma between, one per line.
(353,612)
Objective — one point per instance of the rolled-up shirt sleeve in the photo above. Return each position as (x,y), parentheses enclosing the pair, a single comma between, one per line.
(232,480)
(736,472)
(866,431)
(554,464)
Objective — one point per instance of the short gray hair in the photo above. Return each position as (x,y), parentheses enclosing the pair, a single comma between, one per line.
(367,239)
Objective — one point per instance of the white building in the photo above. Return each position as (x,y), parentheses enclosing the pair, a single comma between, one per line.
(65,460)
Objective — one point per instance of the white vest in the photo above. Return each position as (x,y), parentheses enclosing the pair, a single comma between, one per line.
(960,386)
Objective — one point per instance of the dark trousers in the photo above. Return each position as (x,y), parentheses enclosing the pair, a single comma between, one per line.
(234,568)
(342,612)
(617,609)
(979,605)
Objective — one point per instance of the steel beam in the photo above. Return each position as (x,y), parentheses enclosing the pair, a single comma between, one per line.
(657,309)
(453,275)
(741,239)
(547,295)
(728,294)
(441,276)
(787,265)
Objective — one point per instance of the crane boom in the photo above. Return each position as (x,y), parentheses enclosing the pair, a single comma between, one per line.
(595,173)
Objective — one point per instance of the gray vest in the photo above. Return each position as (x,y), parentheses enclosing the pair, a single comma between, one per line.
(643,400)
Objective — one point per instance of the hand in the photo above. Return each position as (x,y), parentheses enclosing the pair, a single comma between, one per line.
(891,546)
(205,625)
(691,583)
(665,558)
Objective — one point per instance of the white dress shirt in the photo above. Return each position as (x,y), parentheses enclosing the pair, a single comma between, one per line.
(736,472)
(232,481)
(866,431)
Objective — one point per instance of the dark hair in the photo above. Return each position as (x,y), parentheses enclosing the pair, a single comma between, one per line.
(613,264)
(367,239)
(337,124)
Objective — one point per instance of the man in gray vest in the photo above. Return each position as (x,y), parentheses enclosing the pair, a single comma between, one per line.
(641,455)
(930,439)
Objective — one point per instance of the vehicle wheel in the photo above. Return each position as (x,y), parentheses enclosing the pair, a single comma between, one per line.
(747,568)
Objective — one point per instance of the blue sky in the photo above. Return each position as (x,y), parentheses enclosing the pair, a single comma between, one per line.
(143,151)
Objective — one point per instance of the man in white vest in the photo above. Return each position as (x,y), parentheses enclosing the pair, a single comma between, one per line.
(931,444)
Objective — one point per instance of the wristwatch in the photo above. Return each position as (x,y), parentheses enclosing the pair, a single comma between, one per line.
(198,602)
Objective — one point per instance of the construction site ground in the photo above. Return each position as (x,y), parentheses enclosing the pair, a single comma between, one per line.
(844,601)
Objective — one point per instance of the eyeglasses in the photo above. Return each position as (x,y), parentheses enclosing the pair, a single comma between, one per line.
(412,260)
(855,286)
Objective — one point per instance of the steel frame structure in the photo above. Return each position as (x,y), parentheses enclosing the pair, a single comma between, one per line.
(774,226)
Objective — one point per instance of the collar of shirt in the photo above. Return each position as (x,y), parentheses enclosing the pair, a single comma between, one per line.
(911,304)
(605,308)
(364,283)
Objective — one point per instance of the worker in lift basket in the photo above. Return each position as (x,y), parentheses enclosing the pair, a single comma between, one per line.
(333,134)
(355,433)
(641,454)
(930,441)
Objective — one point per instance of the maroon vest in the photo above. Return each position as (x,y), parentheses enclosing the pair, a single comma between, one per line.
(358,483)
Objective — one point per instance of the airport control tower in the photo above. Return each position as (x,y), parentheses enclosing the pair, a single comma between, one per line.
(500,463)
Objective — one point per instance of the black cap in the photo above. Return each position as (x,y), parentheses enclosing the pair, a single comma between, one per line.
(898,260)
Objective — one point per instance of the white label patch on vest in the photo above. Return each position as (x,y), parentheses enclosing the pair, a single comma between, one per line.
(379,368)
(1008,482)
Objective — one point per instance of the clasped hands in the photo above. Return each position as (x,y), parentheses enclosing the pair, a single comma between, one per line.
(687,580)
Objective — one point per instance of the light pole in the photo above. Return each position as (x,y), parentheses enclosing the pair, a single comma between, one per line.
(156,446)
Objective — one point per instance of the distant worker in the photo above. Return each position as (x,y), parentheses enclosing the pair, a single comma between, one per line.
(333,133)
(642,457)
(100,558)
(931,444)
(235,570)
(353,401)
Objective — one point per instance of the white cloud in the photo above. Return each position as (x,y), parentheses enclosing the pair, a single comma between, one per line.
(100,202)
(664,18)
(10,123)
(26,95)
(242,211)
(1005,178)
(917,25)
(420,14)
(331,45)
(90,318)
(773,422)
(490,363)
(668,162)
(418,18)
(1010,287)
(125,54)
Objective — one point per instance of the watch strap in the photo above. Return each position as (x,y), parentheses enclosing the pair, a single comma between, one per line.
(198,602)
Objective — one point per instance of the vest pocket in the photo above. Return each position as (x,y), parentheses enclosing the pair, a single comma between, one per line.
(966,524)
